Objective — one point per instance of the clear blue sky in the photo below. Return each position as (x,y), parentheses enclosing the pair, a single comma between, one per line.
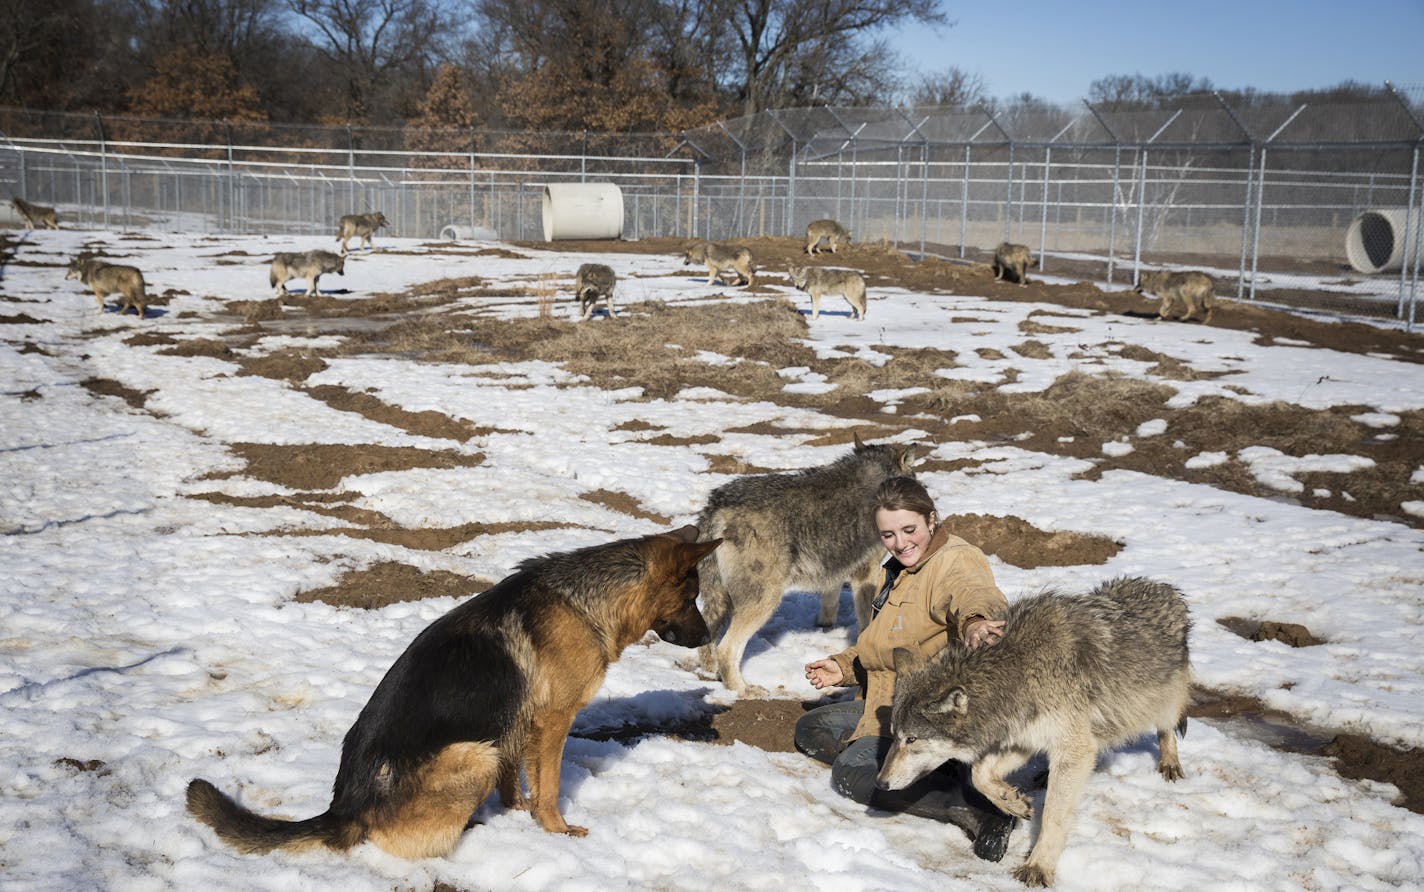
(1056,49)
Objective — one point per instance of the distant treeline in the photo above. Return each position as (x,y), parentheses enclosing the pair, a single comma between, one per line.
(528,65)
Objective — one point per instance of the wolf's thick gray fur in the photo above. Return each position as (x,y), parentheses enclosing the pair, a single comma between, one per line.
(36,216)
(1073,675)
(594,280)
(1192,289)
(1012,262)
(819,280)
(307,265)
(810,530)
(361,226)
(829,231)
(720,258)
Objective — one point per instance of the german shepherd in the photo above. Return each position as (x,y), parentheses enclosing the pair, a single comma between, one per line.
(490,687)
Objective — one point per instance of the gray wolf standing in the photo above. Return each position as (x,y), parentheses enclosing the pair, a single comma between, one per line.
(359,225)
(488,688)
(1012,262)
(309,265)
(1191,289)
(819,280)
(720,258)
(107,278)
(1073,676)
(832,232)
(35,216)
(594,280)
(810,529)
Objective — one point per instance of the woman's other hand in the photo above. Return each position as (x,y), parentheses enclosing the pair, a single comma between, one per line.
(824,672)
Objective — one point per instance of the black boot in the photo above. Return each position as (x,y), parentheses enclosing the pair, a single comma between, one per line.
(992,838)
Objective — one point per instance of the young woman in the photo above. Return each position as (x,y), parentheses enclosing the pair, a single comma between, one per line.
(936,585)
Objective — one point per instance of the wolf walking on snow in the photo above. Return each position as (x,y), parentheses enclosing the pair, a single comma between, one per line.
(35,216)
(810,530)
(719,259)
(361,226)
(1191,289)
(1073,675)
(309,265)
(819,280)
(594,280)
(105,278)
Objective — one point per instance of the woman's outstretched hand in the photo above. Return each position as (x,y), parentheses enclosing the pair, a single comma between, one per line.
(823,672)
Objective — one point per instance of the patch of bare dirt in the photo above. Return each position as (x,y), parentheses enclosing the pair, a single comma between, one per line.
(428,423)
(20,319)
(314,466)
(624,504)
(1016,541)
(386,583)
(110,387)
(292,366)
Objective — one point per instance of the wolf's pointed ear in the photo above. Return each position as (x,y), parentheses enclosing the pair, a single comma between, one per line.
(956,701)
(688,533)
(906,661)
(909,455)
(858,445)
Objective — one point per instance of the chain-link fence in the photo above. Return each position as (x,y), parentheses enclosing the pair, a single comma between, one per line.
(1261,192)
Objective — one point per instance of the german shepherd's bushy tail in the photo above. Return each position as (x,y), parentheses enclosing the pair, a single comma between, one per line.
(252,834)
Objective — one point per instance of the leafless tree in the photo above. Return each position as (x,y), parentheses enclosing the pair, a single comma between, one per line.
(813,50)
(378,47)
(951,87)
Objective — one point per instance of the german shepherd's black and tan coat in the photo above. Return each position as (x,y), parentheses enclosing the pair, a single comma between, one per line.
(489,688)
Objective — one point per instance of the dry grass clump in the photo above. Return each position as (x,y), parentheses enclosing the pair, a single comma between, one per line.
(653,346)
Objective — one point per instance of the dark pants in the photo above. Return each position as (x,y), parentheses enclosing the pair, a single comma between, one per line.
(944,794)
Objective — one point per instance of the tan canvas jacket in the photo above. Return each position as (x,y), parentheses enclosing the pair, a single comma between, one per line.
(927,602)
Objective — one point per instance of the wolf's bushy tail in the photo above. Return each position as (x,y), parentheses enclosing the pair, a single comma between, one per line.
(251,833)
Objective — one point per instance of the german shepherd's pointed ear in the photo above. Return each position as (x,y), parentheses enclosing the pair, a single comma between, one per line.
(906,661)
(694,552)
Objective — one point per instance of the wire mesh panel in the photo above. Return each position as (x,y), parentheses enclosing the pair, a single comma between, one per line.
(1262,192)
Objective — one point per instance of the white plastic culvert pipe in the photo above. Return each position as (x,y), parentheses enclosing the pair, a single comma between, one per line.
(582,211)
(1375,240)
(454,232)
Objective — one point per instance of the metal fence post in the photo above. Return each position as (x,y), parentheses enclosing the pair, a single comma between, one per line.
(103,166)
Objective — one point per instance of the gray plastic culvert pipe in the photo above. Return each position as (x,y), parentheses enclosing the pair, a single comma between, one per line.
(582,211)
(1374,241)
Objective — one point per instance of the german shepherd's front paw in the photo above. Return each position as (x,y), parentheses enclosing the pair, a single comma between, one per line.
(1033,875)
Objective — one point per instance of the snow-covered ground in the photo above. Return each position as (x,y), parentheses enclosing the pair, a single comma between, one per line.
(147,637)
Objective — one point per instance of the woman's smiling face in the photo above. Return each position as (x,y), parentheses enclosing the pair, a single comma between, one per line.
(904,533)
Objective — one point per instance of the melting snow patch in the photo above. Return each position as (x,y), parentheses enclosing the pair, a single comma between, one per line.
(1205,460)
(1276,469)
(1117,448)
(1152,428)
(1376,419)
